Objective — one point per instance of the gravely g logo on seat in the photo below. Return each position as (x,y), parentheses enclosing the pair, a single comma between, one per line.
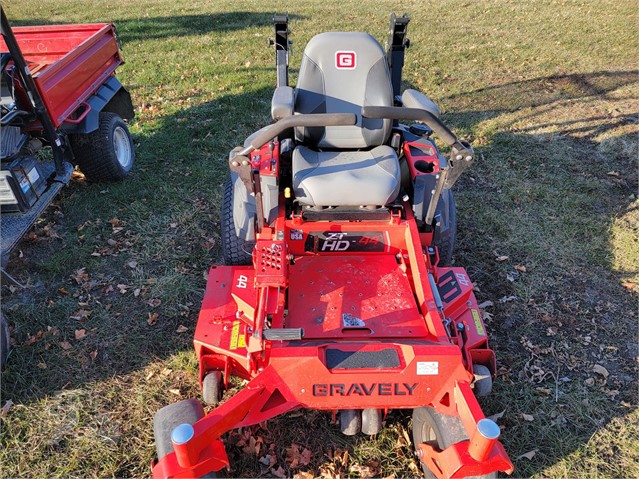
(345,60)
(362,389)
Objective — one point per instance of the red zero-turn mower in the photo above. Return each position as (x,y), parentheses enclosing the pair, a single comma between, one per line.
(338,225)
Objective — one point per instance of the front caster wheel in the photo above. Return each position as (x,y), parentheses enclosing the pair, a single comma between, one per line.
(483,383)
(212,388)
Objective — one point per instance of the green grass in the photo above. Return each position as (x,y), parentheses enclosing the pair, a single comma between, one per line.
(547,92)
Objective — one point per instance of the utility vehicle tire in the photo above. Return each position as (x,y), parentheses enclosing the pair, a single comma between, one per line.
(212,388)
(371,421)
(106,154)
(236,251)
(447,238)
(483,384)
(350,421)
(5,343)
(440,431)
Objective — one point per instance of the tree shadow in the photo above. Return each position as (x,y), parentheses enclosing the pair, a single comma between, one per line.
(556,180)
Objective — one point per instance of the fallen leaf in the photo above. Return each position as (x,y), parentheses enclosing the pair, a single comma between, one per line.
(486,304)
(303,475)
(80,333)
(305,457)
(529,455)
(166,372)
(175,391)
(499,415)
(486,315)
(279,472)
(111,242)
(520,267)
(173,225)
(590,381)
(66,345)
(501,258)
(136,292)
(154,303)
(507,299)
(81,275)
(36,337)
(132,264)
(528,417)
(613,173)
(599,369)
(150,375)
(93,354)
(152,319)
(181,329)
(5,409)
(63,291)
(42,365)
(629,285)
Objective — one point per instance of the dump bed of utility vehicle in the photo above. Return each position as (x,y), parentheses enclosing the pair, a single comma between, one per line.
(68,63)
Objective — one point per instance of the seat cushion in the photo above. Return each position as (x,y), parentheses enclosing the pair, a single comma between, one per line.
(345,178)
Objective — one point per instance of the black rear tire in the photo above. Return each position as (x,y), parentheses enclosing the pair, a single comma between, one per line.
(236,251)
(106,154)
(440,431)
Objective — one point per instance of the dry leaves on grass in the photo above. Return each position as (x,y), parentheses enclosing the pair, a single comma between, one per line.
(296,457)
(528,455)
(5,409)
(152,319)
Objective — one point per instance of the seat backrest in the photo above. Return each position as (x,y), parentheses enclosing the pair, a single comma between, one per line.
(340,73)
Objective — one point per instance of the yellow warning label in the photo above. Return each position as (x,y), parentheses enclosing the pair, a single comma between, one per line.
(237,341)
(478,326)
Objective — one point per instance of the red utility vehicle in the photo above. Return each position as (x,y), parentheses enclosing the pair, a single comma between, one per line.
(338,225)
(59,93)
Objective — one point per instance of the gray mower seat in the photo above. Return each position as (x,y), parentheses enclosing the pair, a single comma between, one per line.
(345,178)
(341,72)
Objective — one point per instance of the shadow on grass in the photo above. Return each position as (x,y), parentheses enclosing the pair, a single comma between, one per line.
(541,199)
(548,194)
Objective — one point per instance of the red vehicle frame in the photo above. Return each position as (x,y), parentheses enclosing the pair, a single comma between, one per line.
(336,315)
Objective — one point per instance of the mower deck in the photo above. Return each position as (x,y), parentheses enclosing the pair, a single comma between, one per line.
(352,297)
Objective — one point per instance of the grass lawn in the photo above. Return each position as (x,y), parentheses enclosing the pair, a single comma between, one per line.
(548,230)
